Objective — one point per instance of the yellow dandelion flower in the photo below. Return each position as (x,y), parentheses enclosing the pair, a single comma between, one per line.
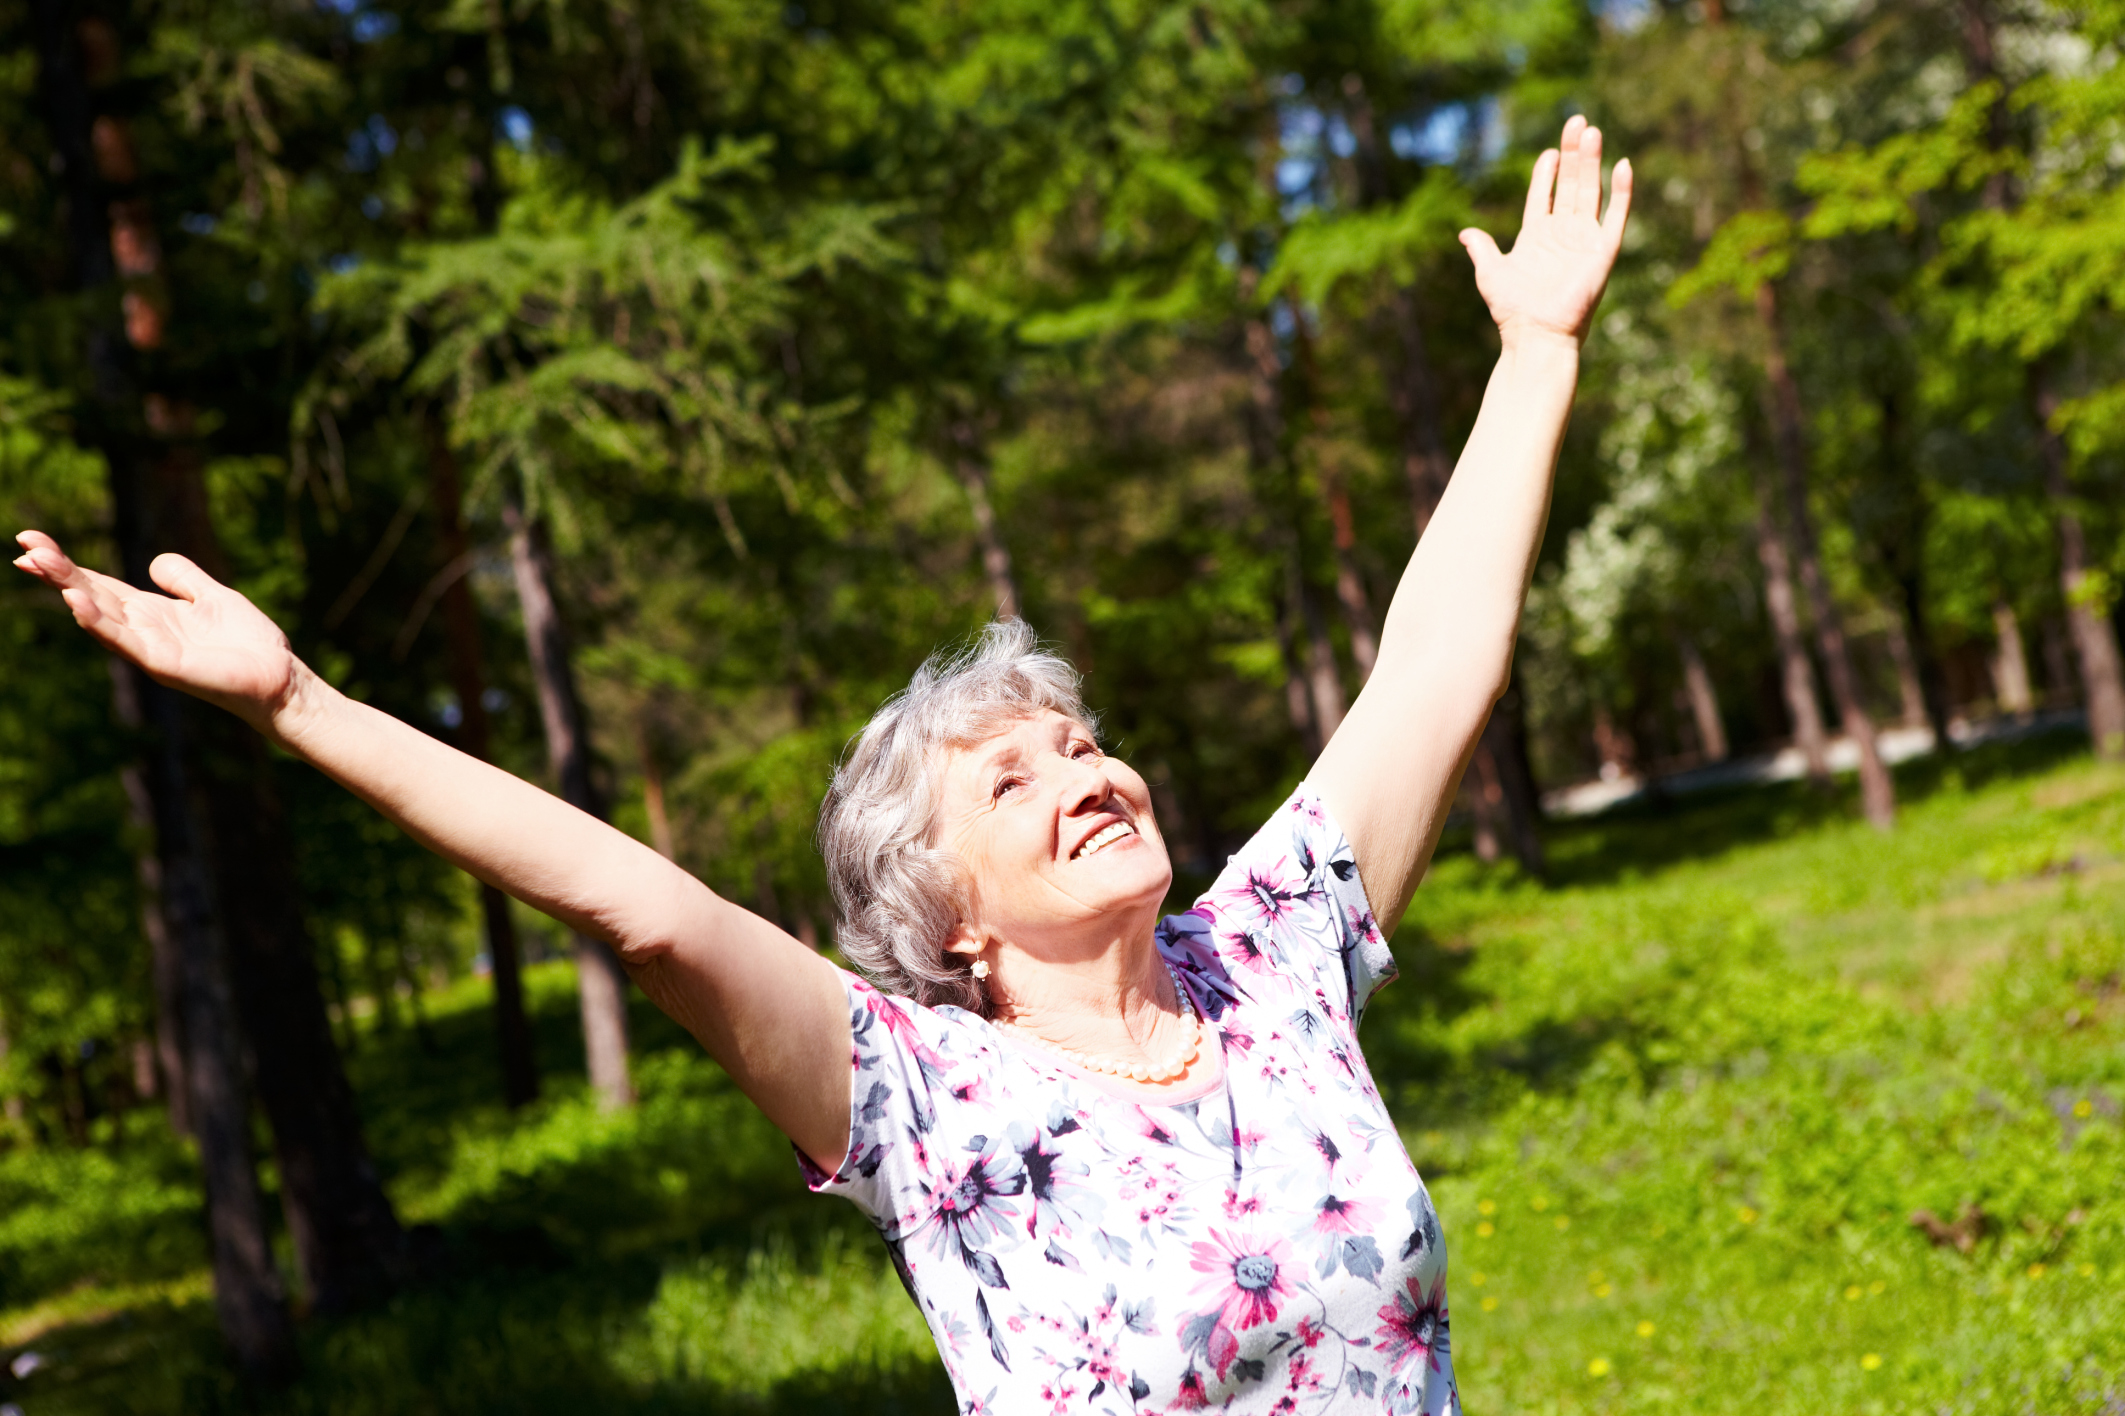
(2036,1270)
(1645,1327)
(1870,1362)
(1593,1275)
(1564,1221)
(1599,1367)
(1852,1294)
(2084,1108)
(2088,1270)
(1877,1288)
(1479,1278)
(1602,1290)
(1539,1203)
(1745,1214)
(1486,1207)
(1490,1305)
(1484,1230)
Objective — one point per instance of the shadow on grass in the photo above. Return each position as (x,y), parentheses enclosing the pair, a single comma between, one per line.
(1660,830)
(496,1343)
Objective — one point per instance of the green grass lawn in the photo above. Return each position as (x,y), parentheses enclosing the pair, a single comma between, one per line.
(1677,1108)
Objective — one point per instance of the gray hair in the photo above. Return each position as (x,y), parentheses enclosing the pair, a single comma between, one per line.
(900,896)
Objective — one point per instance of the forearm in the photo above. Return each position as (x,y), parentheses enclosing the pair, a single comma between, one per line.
(1454,616)
(1389,773)
(509,833)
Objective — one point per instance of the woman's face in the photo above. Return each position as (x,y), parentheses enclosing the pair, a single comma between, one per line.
(1055,835)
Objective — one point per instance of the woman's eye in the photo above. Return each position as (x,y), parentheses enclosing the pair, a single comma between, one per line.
(1084,749)
(1005,785)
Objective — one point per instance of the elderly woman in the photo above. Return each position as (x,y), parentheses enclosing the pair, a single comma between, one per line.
(1123,1163)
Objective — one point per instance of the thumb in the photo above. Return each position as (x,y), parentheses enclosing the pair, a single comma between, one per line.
(1481,248)
(181,577)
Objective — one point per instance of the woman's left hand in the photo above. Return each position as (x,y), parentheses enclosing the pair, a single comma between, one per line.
(1550,283)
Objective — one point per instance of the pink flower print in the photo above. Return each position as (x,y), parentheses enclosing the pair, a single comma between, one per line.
(1268,895)
(970,1207)
(1363,927)
(1413,1327)
(1307,805)
(1252,949)
(1340,1216)
(1191,1396)
(1245,1277)
(1060,1196)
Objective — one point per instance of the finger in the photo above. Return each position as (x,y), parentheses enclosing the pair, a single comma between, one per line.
(1589,187)
(1568,168)
(1539,184)
(102,614)
(181,577)
(1619,212)
(1482,250)
(42,558)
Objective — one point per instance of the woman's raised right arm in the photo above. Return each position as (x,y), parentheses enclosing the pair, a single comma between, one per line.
(769,1009)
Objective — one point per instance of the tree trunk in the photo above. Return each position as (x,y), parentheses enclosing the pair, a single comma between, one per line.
(1900,546)
(1704,699)
(11,1103)
(1324,680)
(653,799)
(1298,698)
(248,1298)
(1796,675)
(1413,394)
(1504,743)
(601,983)
(1932,679)
(468,677)
(973,469)
(1484,791)
(2057,649)
(1910,691)
(1877,790)
(165,968)
(1350,587)
(77,56)
(2010,663)
(2087,617)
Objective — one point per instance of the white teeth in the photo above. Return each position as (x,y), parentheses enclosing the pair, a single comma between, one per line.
(1105,836)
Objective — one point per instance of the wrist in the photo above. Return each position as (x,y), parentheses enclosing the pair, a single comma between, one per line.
(1538,341)
(300,708)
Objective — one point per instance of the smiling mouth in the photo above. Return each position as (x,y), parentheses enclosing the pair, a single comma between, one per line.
(1102,838)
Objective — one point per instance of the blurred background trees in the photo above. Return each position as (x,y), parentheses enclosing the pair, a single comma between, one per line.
(633,391)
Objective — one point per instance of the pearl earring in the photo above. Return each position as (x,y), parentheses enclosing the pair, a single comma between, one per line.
(981,968)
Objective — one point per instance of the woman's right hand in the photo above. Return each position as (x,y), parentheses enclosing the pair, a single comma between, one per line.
(203,637)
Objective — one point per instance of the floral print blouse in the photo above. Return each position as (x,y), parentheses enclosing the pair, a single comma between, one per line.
(1267,1247)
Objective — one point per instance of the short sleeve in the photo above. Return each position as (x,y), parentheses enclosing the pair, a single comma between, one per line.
(1290,903)
(898,1078)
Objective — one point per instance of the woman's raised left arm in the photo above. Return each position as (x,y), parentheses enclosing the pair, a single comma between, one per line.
(1389,774)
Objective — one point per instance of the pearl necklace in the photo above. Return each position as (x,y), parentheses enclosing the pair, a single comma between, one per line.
(1173,1067)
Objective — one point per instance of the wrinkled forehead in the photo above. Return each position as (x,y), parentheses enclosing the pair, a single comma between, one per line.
(963,762)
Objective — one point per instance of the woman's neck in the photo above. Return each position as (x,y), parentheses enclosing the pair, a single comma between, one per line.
(1118,1003)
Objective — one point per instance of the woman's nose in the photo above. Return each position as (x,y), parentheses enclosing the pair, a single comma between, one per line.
(1085,789)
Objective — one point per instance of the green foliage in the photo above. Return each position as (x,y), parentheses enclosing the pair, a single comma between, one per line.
(1321,251)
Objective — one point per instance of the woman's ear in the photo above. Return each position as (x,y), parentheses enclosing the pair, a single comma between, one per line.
(965,940)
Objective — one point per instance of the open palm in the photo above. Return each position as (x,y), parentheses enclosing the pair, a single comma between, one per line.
(203,637)
(1560,261)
